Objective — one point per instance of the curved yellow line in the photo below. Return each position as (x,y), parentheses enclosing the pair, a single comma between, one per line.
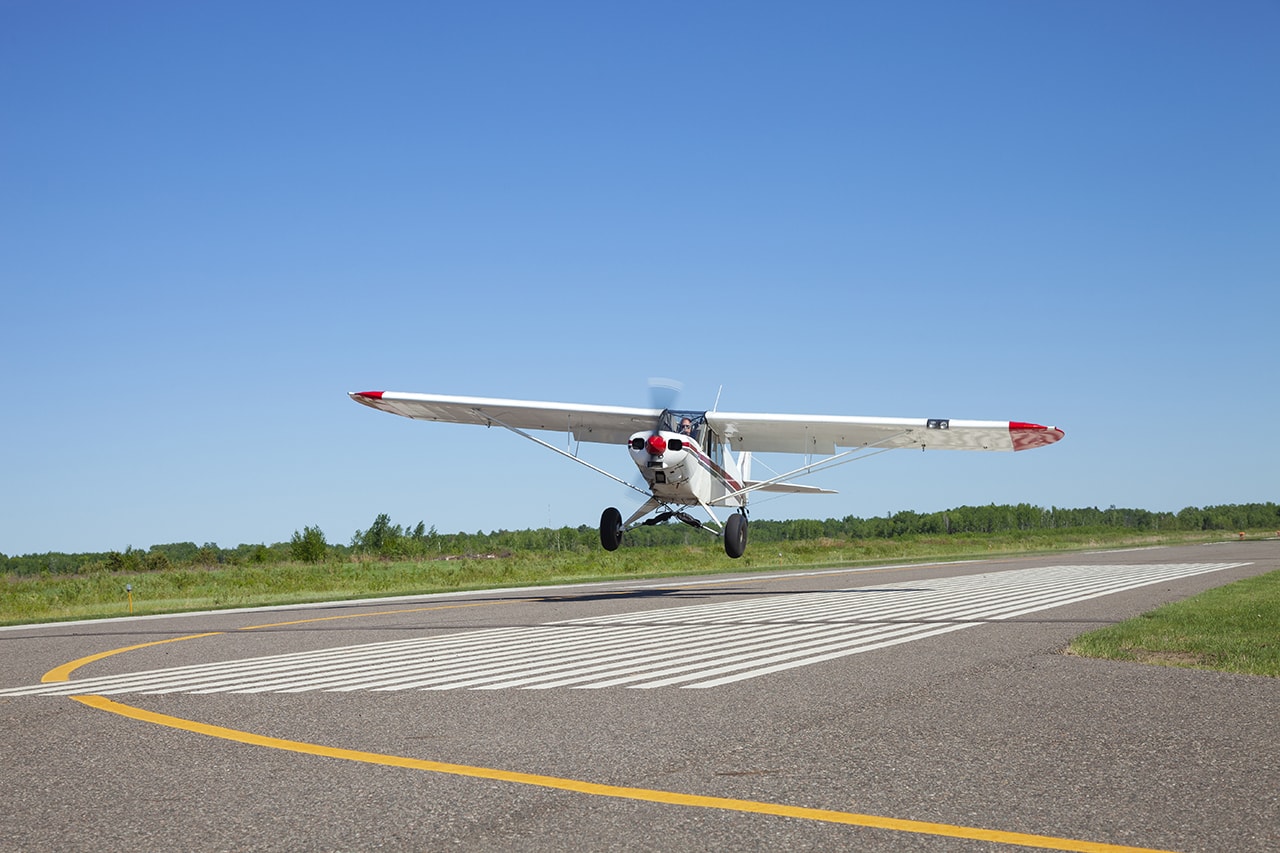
(63,673)
(1044,842)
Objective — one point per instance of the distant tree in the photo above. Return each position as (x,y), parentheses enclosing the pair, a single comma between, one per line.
(260,554)
(308,546)
(382,537)
(128,561)
(178,552)
(801,529)
(155,560)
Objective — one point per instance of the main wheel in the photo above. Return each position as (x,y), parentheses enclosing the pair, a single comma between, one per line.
(735,535)
(611,529)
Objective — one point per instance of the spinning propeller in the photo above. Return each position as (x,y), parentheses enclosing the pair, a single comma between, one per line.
(663,394)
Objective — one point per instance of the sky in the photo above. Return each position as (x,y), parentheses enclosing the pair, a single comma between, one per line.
(217,219)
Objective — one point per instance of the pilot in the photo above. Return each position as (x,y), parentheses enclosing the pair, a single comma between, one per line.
(686,427)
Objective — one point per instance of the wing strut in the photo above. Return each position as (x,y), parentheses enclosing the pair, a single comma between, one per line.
(821,465)
(566,454)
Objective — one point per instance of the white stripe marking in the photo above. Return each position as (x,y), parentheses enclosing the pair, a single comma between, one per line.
(695,646)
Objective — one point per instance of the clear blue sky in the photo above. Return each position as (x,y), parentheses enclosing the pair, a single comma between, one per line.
(216,219)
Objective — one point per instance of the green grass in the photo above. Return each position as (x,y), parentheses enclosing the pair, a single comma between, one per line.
(1234,628)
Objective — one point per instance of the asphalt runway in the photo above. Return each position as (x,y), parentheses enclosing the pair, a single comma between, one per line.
(889,709)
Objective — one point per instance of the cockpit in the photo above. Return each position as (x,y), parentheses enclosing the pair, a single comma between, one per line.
(692,424)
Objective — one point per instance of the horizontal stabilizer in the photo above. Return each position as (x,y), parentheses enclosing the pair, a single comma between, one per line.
(790,488)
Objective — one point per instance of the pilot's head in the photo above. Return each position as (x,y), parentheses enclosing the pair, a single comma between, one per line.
(686,426)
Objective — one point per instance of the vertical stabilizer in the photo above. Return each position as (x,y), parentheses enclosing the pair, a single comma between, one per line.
(738,469)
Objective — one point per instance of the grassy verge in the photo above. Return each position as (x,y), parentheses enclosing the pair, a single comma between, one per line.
(48,598)
(1234,628)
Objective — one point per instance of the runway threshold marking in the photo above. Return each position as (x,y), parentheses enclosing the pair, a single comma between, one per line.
(995,836)
(692,646)
(1044,842)
(63,673)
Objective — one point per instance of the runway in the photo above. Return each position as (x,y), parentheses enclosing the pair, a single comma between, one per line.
(897,708)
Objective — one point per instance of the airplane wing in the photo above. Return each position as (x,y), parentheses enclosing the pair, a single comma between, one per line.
(766,433)
(822,434)
(603,424)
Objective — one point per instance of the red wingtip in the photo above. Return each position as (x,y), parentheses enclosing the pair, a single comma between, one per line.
(1027,436)
(370,395)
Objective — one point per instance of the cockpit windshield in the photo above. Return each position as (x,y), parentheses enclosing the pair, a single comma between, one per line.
(692,424)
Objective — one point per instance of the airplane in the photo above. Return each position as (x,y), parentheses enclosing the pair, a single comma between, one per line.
(691,458)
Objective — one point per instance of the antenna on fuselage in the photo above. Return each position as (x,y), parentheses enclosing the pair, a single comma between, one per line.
(716,406)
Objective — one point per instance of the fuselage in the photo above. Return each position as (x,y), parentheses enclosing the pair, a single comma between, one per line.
(678,471)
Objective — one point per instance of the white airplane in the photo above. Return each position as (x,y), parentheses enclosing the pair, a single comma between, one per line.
(703,459)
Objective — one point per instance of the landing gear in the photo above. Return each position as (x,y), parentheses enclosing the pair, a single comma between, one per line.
(611,529)
(733,532)
(735,535)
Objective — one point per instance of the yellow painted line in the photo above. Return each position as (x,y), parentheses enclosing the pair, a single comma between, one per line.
(63,673)
(1043,842)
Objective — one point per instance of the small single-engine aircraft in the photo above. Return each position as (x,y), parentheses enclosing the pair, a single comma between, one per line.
(694,458)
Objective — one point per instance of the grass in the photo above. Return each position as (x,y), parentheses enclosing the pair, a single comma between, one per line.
(1233,628)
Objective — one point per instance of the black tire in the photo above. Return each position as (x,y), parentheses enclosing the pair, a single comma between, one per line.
(611,529)
(735,535)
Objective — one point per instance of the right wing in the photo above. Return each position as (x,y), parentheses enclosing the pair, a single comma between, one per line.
(603,424)
(822,434)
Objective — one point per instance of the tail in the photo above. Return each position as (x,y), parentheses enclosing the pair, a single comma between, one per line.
(738,469)
(743,464)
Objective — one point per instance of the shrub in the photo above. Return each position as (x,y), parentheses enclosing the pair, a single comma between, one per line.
(308,546)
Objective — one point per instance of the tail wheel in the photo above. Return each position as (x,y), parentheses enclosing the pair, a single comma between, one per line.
(735,535)
(611,529)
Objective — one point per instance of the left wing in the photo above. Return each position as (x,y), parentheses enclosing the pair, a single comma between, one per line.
(604,424)
(822,434)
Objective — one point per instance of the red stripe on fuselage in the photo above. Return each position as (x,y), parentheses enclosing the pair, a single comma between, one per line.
(713,467)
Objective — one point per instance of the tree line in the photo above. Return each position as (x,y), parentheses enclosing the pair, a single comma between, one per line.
(384,539)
